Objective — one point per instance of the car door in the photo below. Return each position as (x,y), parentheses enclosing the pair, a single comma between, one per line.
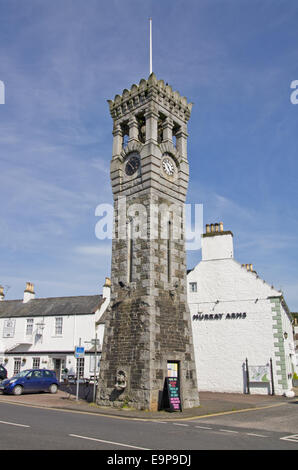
(49,378)
(26,382)
(37,381)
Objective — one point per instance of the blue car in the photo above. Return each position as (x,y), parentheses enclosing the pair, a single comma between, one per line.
(31,380)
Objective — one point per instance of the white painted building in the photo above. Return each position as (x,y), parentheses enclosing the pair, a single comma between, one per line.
(43,332)
(237,319)
(295,333)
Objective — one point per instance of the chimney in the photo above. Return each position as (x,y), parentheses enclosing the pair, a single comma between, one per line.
(106,291)
(29,293)
(2,293)
(217,244)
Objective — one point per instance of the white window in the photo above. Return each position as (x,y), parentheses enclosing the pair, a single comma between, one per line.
(17,365)
(8,328)
(58,326)
(36,363)
(80,367)
(193,287)
(29,326)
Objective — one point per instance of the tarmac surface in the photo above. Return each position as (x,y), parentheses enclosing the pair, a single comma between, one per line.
(210,403)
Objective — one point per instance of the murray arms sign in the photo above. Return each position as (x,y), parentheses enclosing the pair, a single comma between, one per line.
(218,316)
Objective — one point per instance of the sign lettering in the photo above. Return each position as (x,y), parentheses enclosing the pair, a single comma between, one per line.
(218,316)
(79,352)
(173,388)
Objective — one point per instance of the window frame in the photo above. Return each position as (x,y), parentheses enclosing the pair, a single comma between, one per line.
(17,363)
(29,326)
(193,287)
(59,327)
(34,359)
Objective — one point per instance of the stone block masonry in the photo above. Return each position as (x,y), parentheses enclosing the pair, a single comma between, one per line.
(148,323)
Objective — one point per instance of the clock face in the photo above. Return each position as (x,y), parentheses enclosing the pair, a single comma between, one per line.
(132,164)
(168,166)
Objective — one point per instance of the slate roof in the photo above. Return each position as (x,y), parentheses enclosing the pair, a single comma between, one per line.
(52,306)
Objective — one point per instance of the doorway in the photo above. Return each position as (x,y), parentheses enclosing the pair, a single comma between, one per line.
(173,369)
(59,364)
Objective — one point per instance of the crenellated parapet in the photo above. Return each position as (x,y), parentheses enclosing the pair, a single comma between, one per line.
(150,92)
(150,113)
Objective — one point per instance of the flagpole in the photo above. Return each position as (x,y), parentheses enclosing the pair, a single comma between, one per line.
(150,23)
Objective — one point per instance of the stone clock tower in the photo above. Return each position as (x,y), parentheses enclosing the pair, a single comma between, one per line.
(148,334)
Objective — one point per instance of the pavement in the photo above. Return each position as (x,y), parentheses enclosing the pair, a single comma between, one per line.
(210,403)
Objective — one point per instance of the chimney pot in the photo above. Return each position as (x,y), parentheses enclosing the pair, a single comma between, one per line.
(216,227)
(212,227)
(1,293)
(207,228)
(29,292)
(29,287)
(221,226)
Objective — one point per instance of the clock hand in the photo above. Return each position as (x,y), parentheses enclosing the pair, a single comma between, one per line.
(168,167)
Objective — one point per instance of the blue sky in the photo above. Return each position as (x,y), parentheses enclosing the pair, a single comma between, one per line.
(60,60)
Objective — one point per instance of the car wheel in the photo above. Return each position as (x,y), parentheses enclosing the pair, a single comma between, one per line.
(53,388)
(18,390)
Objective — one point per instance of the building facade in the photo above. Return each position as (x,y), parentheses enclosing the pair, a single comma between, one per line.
(240,323)
(295,333)
(43,333)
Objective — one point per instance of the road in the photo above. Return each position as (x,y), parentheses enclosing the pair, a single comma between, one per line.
(26,427)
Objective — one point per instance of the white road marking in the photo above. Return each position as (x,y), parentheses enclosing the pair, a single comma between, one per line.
(107,442)
(292,438)
(15,424)
(256,435)
(229,430)
(180,424)
(202,427)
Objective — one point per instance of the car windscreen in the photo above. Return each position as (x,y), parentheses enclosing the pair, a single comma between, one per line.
(21,374)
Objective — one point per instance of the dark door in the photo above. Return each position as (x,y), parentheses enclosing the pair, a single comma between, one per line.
(57,368)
